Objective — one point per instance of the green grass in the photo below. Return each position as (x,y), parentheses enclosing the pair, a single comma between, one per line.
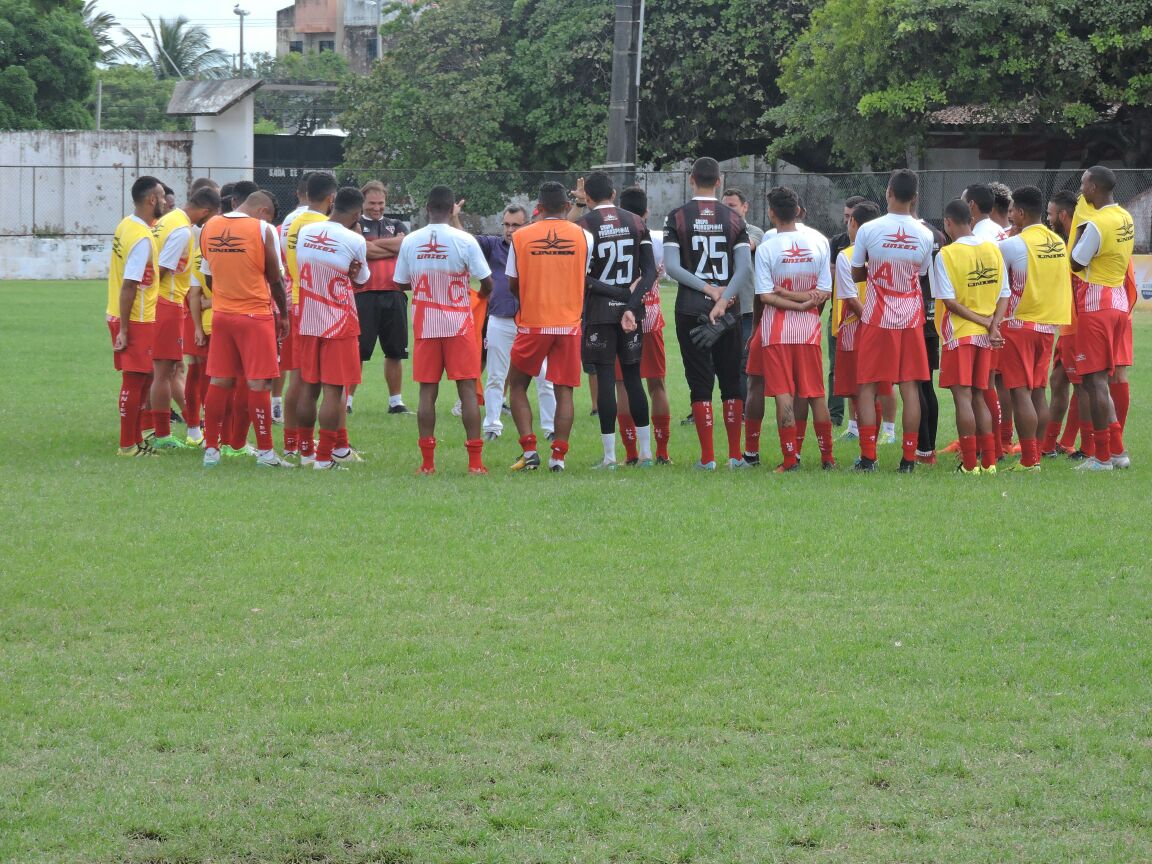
(655,666)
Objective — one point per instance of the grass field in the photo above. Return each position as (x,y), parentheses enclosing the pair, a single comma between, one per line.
(660,666)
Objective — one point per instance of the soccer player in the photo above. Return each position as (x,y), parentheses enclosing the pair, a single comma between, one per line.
(970,284)
(793,279)
(653,363)
(175,241)
(547,266)
(282,239)
(330,256)
(1041,301)
(708,252)
(197,334)
(735,199)
(1101,252)
(437,263)
(929,404)
(891,252)
(382,306)
(131,312)
(321,193)
(837,244)
(846,311)
(1001,202)
(622,269)
(241,258)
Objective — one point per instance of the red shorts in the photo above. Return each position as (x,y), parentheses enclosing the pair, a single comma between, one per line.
(844,382)
(965,366)
(653,361)
(1025,358)
(1066,357)
(137,356)
(329,361)
(890,356)
(994,363)
(562,351)
(1124,349)
(289,348)
(795,369)
(191,349)
(169,340)
(455,355)
(243,346)
(1099,336)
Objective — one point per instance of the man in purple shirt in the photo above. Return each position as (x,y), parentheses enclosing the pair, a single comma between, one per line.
(501,328)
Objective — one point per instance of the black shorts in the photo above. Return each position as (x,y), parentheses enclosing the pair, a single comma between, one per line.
(384,319)
(932,343)
(603,344)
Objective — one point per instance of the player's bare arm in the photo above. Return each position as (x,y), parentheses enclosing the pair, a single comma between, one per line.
(514,287)
(859,274)
(994,327)
(196,307)
(485,286)
(275,284)
(127,298)
(855,307)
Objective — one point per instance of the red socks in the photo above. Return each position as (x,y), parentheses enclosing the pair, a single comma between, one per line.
(1051,433)
(291,440)
(528,443)
(1103,439)
(988,447)
(162,423)
(559,449)
(1006,435)
(662,430)
(1087,437)
(427,453)
(260,406)
(1072,425)
(868,442)
(968,452)
(702,414)
(131,395)
(801,434)
(1029,452)
(734,425)
(215,405)
(304,438)
(1116,438)
(824,441)
(909,444)
(1120,398)
(628,436)
(324,448)
(993,403)
(342,439)
(752,435)
(475,448)
(788,444)
(241,416)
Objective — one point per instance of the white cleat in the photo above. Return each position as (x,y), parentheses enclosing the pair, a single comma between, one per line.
(1094,464)
(1121,460)
(270,459)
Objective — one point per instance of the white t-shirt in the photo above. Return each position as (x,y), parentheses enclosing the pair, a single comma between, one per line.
(791,261)
(986,229)
(324,252)
(173,255)
(439,261)
(897,249)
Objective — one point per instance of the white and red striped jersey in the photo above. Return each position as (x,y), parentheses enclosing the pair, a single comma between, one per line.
(324,253)
(898,251)
(791,261)
(653,312)
(850,323)
(439,261)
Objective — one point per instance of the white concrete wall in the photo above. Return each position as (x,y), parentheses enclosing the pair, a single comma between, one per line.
(54,257)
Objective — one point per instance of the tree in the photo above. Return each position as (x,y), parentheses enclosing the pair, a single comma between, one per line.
(100,25)
(177,49)
(47,60)
(323,66)
(301,111)
(865,77)
(134,98)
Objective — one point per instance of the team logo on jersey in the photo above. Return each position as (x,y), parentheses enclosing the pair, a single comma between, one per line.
(900,240)
(433,250)
(322,242)
(705,210)
(226,242)
(553,244)
(797,254)
(982,274)
(1051,248)
(1126,233)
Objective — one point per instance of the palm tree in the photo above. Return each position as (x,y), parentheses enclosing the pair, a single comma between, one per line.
(100,25)
(177,50)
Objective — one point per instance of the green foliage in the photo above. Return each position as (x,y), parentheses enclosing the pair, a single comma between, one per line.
(100,25)
(47,61)
(264,126)
(321,66)
(135,99)
(177,49)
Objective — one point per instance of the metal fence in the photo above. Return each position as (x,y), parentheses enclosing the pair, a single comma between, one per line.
(64,201)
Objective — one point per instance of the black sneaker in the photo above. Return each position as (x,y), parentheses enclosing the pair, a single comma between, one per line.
(593,413)
(348,408)
(752,459)
(632,462)
(399,409)
(663,460)
(830,465)
(690,420)
(862,464)
(175,417)
(907,466)
(1077,455)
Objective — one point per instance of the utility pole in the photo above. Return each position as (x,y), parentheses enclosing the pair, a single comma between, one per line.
(243,13)
(623,107)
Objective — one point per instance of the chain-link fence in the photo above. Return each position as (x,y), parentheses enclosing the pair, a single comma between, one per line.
(63,201)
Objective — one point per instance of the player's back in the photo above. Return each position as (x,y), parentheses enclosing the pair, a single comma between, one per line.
(325,251)
(617,237)
(551,260)
(897,249)
(438,261)
(233,251)
(707,234)
(792,261)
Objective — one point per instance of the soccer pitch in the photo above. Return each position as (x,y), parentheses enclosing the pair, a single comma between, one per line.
(639,666)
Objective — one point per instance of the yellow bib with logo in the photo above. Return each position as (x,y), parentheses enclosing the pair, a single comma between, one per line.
(308,217)
(1117,240)
(174,285)
(128,233)
(1048,289)
(976,274)
(838,305)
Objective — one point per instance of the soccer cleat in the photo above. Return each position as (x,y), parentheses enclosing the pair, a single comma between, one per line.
(1013,450)
(399,409)
(594,413)
(830,465)
(168,442)
(556,466)
(348,458)
(862,464)
(781,469)
(737,465)
(478,472)
(271,460)
(887,438)
(663,460)
(550,436)
(1053,453)
(1025,469)
(232,452)
(926,458)
(135,450)
(211,457)
(325,466)
(850,435)
(174,417)
(604,465)
(690,420)
(1077,455)
(457,409)
(506,410)
(491,436)
(632,463)
(705,466)
(291,454)
(348,408)
(954,447)
(527,462)
(644,463)
(991,470)
(960,469)
(278,415)
(190,441)
(907,466)
(306,461)
(1121,460)
(1094,464)
(422,471)
(752,460)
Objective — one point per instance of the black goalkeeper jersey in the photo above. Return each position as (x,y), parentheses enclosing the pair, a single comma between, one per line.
(707,233)
(621,253)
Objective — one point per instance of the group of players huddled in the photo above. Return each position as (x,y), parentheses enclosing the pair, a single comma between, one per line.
(245,304)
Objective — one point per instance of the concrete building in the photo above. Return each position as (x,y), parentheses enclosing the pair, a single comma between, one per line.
(348,27)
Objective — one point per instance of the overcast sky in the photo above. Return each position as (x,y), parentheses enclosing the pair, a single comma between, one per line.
(215,16)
